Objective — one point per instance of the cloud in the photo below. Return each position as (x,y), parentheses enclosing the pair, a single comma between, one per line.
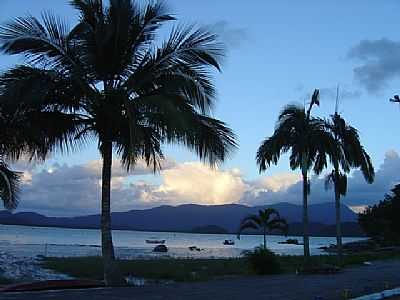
(275,183)
(359,193)
(75,190)
(71,190)
(233,37)
(379,63)
(195,182)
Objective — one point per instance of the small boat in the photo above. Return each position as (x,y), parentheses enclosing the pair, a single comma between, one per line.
(155,241)
(229,242)
(195,248)
(291,242)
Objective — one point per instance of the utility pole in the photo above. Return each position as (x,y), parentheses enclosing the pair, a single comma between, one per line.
(337,100)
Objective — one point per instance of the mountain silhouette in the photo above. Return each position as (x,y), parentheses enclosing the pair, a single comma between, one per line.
(188,217)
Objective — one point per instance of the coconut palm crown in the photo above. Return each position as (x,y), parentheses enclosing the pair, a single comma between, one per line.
(266,220)
(110,79)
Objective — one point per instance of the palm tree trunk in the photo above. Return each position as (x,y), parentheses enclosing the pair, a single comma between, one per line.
(265,238)
(339,246)
(111,274)
(306,239)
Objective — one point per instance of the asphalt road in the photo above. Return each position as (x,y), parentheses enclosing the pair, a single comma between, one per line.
(358,280)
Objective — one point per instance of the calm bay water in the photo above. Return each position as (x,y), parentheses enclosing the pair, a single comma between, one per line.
(31,241)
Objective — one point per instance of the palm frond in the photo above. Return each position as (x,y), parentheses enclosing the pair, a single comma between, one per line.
(267,214)
(278,224)
(177,122)
(181,66)
(41,43)
(305,137)
(349,152)
(9,186)
(91,11)
(249,222)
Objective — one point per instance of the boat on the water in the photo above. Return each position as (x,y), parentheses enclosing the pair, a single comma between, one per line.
(155,242)
(229,242)
(195,248)
(291,242)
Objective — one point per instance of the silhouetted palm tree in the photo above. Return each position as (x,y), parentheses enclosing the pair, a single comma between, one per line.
(347,153)
(109,79)
(9,186)
(267,220)
(308,142)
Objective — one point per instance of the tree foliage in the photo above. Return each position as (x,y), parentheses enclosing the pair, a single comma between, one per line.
(108,78)
(266,221)
(380,221)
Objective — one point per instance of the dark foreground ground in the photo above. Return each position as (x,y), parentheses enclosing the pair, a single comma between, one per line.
(359,280)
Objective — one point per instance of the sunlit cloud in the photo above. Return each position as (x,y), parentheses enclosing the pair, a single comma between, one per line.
(196,182)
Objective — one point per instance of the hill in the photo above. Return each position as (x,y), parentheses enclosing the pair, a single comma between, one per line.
(185,218)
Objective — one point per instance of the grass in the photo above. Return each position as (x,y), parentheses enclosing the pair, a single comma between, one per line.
(193,269)
(160,269)
(4,280)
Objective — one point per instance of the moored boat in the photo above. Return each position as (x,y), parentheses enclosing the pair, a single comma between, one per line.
(155,241)
(229,242)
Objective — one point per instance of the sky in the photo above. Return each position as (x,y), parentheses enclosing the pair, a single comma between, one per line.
(278,52)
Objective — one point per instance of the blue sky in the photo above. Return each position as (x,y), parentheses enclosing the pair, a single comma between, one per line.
(278,52)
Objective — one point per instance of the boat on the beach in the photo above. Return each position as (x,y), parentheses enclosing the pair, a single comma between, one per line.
(229,242)
(155,242)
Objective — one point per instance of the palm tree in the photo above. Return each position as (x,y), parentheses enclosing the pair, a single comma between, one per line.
(309,143)
(109,79)
(9,186)
(347,153)
(267,220)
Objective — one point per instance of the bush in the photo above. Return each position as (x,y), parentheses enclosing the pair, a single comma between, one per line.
(263,261)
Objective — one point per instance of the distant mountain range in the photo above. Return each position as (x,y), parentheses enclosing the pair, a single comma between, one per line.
(194,218)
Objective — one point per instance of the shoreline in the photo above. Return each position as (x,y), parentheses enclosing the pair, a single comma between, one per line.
(186,232)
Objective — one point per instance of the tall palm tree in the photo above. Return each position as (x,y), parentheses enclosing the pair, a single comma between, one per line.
(109,79)
(347,153)
(267,220)
(308,142)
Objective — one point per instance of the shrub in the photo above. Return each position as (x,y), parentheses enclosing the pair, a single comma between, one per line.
(263,261)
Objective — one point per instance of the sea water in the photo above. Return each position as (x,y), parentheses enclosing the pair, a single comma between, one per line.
(30,241)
